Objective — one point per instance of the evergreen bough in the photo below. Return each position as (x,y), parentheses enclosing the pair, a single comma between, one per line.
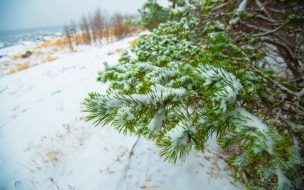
(178,87)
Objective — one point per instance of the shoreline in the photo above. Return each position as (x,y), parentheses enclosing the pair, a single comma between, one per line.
(14,37)
(22,56)
(29,54)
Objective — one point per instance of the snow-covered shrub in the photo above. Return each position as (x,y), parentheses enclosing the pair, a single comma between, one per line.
(152,14)
(184,82)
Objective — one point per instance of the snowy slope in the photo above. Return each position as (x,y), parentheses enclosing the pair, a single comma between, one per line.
(45,143)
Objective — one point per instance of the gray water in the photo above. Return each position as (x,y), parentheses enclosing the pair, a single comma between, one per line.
(14,37)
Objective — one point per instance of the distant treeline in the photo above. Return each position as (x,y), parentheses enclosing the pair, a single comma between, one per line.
(97,26)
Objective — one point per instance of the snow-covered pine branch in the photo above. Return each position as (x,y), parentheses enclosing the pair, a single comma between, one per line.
(189,80)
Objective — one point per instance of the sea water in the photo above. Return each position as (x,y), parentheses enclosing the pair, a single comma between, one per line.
(15,37)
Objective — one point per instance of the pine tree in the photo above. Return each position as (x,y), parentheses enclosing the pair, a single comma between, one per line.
(191,79)
(152,14)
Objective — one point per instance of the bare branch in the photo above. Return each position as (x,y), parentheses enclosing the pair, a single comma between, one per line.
(241,8)
(280,44)
(269,32)
(220,6)
(297,94)
(274,22)
(261,6)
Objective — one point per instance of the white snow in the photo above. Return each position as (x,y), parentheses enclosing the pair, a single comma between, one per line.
(157,122)
(160,93)
(124,114)
(27,43)
(17,49)
(46,144)
(179,134)
(209,77)
(241,8)
(241,117)
(301,93)
(46,38)
(281,179)
(130,116)
(58,34)
(229,92)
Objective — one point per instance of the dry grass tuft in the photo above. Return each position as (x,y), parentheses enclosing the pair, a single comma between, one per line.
(52,156)
(20,67)
(12,71)
(119,50)
(110,53)
(23,66)
(39,53)
(17,56)
(49,59)
(55,49)
(60,42)
(134,42)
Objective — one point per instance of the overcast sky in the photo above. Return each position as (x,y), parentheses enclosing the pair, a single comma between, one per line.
(21,14)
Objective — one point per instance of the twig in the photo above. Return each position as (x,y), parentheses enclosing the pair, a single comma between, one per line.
(268,19)
(244,178)
(297,94)
(275,42)
(131,152)
(221,170)
(218,154)
(261,6)
(278,115)
(220,6)
(269,32)
(242,7)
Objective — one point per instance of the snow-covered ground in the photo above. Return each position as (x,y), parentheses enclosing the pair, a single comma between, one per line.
(46,144)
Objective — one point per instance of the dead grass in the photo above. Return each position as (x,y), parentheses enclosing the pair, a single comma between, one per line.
(17,56)
(49,59)
(55,49)
(59,43)
(134,42)
(12,71)
(108,34)
(22,56)
(44,50)
(23,66)
(43,56)
(78,39)
(119,50)
(110,53)
(38,52)
(52,156)
(20,67)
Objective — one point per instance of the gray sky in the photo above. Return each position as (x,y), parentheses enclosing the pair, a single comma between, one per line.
(20,14)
